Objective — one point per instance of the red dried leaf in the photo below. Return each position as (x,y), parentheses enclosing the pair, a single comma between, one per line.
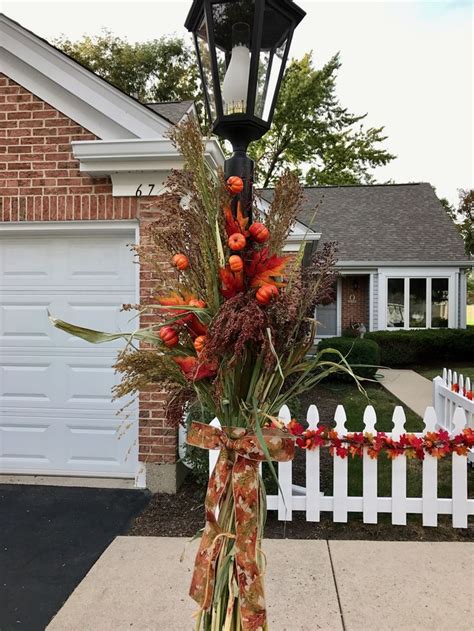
(266,270)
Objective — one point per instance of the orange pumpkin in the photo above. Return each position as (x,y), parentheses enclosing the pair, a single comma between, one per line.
(236,264)
(237,241)
(259,232)
(169,336)
(235,185)
(266,294)
(180,261)
(199,343)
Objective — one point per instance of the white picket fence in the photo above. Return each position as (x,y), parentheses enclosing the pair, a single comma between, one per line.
(312,501)
(446,400)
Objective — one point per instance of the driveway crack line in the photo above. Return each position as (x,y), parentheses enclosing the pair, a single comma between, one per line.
(335,586)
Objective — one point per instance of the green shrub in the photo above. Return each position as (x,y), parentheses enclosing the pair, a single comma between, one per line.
(429,346)
(357,351)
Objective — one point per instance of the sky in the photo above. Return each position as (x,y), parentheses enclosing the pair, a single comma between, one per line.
(407,64)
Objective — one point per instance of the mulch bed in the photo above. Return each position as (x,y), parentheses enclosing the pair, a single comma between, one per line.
(182,515)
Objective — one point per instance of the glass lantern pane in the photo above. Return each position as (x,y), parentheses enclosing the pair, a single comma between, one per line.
(233,26)
(206,65)
(269,67)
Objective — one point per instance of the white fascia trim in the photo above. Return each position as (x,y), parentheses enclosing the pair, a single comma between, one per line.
(104,157)
(413,264)
(354,271)
(22,228)
(47,66)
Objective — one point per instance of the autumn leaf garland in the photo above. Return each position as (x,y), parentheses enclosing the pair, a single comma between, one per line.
(438,444)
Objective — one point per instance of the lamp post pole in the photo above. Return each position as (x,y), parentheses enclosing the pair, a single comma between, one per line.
(239,164)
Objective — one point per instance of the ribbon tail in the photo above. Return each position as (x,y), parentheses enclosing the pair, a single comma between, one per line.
(245,482)
(203,581)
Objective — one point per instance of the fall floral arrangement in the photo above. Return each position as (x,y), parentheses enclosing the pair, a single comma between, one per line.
(236,332)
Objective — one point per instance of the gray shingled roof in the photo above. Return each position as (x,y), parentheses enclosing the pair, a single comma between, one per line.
(173,111)
(389,222)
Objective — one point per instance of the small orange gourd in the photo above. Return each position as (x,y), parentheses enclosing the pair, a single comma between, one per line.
(266,294)
(259,232)
(169,336)
(235,185)
(180,261)
(199,343)
(236,264)
(237,241)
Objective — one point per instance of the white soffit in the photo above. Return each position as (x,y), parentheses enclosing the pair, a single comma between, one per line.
(139,166)
(75,91)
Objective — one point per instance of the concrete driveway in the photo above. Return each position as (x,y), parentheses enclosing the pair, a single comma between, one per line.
(50,537)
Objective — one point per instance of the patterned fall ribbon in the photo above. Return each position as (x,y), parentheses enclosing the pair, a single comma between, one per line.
(237,464)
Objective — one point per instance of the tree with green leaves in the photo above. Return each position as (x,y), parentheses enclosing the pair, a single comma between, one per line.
(464,218)
(163,69)
(311,128)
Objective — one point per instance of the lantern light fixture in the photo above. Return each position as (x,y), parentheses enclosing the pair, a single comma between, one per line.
(242,48)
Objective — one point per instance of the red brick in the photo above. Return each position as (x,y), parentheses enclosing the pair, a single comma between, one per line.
(18,115)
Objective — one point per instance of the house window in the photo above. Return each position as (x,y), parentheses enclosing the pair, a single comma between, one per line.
(417,303)
(439,303)
(396,303)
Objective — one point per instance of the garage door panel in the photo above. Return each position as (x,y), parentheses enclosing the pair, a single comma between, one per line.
(56,412)
(59,382)
(94,446)
(24,321)
(97,443)
(107,263)
(69,262)
(25,442)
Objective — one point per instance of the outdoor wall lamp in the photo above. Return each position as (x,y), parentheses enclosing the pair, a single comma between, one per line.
(242,48)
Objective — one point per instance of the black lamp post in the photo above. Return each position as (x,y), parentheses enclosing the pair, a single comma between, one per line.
(242,48)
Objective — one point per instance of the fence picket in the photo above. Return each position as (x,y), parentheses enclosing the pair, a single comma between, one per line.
(312,471)
(399,473)
(429,505)
(459,477)
(285,477)
(430,476)
(369,472)
(340,472)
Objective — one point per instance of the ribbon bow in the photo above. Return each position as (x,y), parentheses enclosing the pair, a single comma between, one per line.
(238,463)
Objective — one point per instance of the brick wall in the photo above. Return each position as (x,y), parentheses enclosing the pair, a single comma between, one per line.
(354,300)
(40,181)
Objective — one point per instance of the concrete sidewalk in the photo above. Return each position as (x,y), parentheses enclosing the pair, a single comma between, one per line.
(413,390)
(139,583)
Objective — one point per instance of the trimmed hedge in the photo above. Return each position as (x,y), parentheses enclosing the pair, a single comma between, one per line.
(429,346)
(356,351)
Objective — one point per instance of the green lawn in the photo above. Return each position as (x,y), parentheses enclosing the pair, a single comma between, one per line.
(430,372)
(470,315)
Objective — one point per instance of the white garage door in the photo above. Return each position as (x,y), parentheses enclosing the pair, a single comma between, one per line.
(56,413)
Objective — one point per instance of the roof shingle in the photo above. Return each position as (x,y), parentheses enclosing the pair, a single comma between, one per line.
(173,111)
(383,222)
